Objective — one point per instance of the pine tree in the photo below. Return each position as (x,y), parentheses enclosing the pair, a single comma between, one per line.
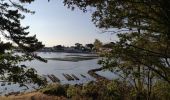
(17,37)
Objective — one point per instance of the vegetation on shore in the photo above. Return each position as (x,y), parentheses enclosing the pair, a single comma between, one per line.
(100,90)
(106,90)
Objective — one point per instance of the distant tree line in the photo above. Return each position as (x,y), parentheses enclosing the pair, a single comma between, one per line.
(78,47)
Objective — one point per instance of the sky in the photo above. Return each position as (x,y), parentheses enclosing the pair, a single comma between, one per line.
(55,24)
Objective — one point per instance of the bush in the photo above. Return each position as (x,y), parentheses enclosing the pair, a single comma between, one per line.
(90,90)
(73,91)
(113,90)
(55,89)
(107,90)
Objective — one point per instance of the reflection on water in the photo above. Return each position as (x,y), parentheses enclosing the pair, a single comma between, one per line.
(57,68)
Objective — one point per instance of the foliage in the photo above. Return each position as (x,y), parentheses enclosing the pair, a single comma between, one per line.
(90,90)
(108,90)
(73,91)
(16,35)
(161,90)
(78,46)
(97,44)
(145,25)
(59,47)
(141,55)
(55,89)
(108,45)
(117,90)
(149,15)
(90,46)
(103,90)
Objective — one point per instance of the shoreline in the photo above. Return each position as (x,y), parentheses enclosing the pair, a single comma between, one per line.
(67,52)
(98,77)
(91,72)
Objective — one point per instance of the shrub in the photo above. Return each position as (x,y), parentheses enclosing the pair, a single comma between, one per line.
(90,90)
(113,91)
(73,91)
(55,89)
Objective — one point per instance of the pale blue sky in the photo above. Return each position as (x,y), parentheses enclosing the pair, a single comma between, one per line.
(54,24)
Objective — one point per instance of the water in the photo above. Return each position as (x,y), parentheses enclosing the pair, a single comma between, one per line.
(68,67)
(59,67)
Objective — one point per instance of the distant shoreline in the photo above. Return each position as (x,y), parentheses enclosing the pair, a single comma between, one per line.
(67,52)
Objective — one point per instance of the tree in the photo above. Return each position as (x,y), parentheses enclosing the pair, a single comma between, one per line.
(144,36)
(109,45)
(97,44)
(90,46)
(12,31)
(59,47)
(78,46)
(142,26)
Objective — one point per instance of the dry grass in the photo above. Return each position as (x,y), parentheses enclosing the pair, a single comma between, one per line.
(32,96)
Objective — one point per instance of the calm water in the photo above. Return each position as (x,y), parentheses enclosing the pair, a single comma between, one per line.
(59,67)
